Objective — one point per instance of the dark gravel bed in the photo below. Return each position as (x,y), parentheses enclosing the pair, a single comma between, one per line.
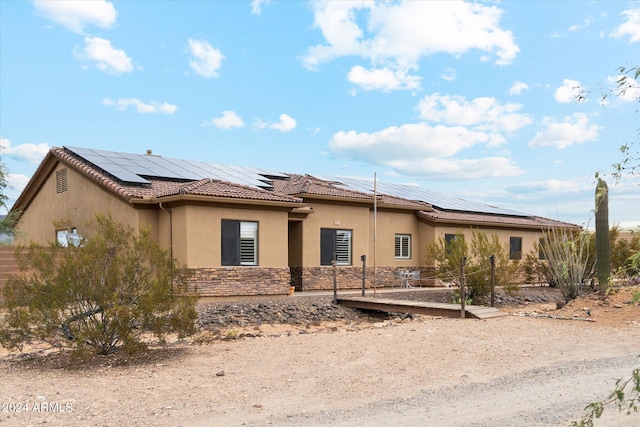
(298,310)
(304,310)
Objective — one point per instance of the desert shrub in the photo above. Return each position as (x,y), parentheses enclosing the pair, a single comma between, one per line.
(536,269)
(447,255)
(567,255)
(102,295)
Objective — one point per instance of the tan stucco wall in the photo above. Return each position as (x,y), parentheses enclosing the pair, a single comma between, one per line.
(388,224)
(78,206)
(427,236)
(340,217)
(529,237)
(197,234)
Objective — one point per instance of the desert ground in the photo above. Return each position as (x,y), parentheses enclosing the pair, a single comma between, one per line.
(516,370)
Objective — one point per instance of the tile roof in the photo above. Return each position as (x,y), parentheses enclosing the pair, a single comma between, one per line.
(309,185)
(285,190)
(437,215)
(160,188)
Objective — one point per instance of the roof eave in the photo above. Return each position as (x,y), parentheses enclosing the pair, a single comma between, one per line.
(41,174)
(214,199)
(401,207)
(494,224)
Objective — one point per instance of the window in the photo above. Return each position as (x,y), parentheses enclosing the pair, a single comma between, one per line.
(61,181)
(515,247)
(541,254)
(448,241)
(66,237)
(335,241)
(239,242)
(403,246)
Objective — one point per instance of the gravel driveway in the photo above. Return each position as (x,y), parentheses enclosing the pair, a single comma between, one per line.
(508,371)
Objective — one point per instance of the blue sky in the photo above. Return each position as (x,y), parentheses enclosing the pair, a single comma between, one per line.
(476,100)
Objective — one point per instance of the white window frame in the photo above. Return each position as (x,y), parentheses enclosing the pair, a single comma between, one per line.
(343,247)
(248,243)
(402,247)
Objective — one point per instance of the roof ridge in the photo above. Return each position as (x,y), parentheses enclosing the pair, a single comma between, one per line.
(190,186)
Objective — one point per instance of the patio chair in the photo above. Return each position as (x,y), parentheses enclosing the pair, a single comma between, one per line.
(413,276)
(399,276)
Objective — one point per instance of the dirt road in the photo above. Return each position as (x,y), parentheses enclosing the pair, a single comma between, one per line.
(509,371)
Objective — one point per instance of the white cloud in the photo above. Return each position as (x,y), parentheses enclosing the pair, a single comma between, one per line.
(286,123)
(385,79)
(404,142)
(437,168)
(418,149)
(483,113)
(228,120)
(256,6)
(143,108)
(107,58)
(448,75)
(18,181)
(517,88)
(206,60)
(631,27)
(32,153)
(575,27)
(570,91)
(76,15)
(574,129)
(404,32)
(552,187)
(423,149)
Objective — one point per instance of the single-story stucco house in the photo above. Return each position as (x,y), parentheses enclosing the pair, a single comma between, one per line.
(248,231)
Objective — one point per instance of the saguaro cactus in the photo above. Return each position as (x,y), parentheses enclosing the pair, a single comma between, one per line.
(603,252)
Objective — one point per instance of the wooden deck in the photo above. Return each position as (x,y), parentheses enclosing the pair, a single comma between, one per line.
(420,307)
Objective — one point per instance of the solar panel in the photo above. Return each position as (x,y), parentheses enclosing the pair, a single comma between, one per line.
(133,168)
(412,192)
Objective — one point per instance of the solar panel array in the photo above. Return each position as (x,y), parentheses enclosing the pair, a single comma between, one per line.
(413,192)
(134,168)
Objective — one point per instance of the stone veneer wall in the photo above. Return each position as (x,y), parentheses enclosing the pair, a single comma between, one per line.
(321,278)
(235,281)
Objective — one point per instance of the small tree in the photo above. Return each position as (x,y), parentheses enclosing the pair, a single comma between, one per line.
(101,295)
(7,222)
(447,255)
(628,82)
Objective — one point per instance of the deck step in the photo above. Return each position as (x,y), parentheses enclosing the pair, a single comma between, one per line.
(420,307)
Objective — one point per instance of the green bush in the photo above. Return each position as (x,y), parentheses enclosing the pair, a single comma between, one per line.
(446,257)
(105,294)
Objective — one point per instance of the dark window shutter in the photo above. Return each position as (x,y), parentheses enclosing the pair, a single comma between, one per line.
(230,242)
(327,245)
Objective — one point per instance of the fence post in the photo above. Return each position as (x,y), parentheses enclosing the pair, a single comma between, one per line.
(492,260)
(335,279)
(463,292)
(364,271)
